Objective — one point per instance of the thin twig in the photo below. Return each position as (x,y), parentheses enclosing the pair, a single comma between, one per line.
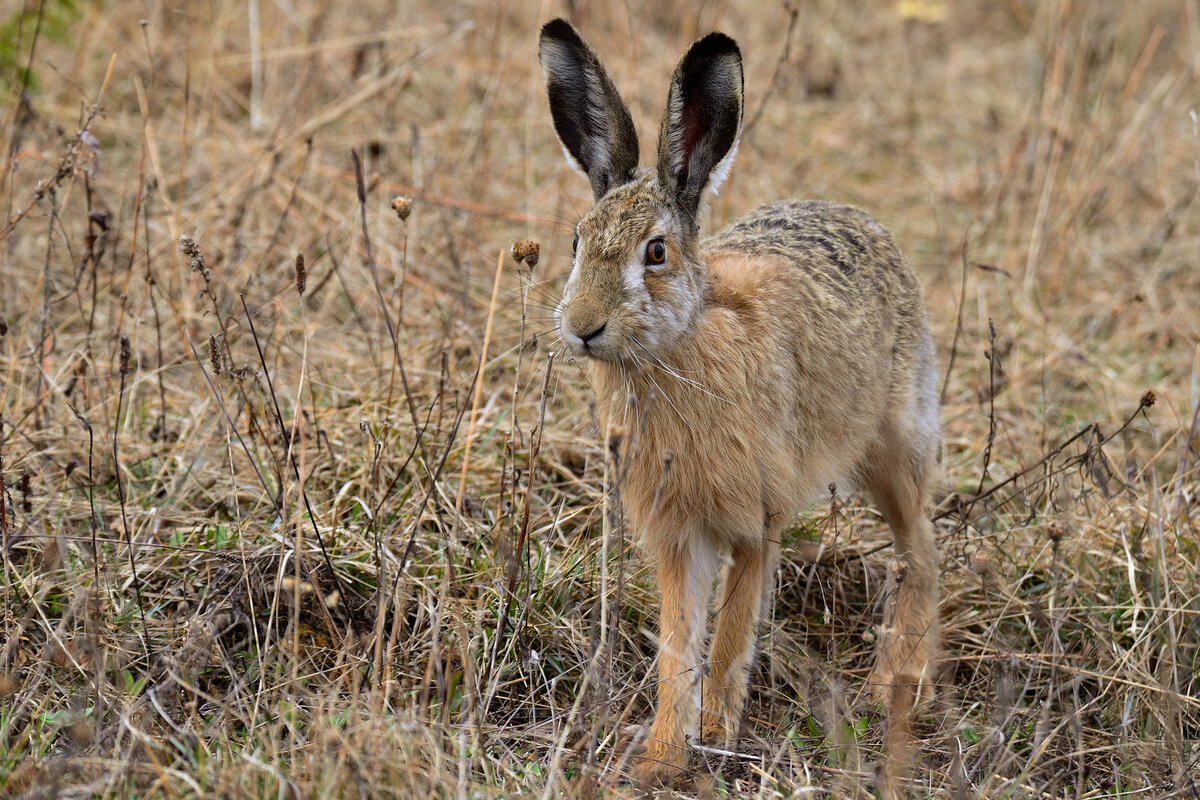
(993,366)
(137,584)
(793,9)
(93,516)
(958,320)
(361,187)
(516,560)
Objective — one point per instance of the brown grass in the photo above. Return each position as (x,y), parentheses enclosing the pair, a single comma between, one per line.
(244,570)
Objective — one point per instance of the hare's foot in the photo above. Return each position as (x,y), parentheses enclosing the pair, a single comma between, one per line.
(659,763)
(901,666)
(720,714)
(897,682)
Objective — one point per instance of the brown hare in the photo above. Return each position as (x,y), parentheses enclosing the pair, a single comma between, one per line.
(784,352)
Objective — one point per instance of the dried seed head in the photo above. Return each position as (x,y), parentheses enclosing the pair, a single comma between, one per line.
(517,248)
(525,251)
(616,437)
(532,249)
(195,258)
(1056,530)
(301,274)
(1149,398)
(403,207)
(898,571)
(23,486)
(125,355)
(214,354)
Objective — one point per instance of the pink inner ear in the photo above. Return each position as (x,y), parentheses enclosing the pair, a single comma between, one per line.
(693,122)
(692,131)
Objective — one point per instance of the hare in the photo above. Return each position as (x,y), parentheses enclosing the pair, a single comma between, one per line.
(752,368)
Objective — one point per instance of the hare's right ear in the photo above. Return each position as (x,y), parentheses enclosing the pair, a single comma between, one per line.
(590,118)
(702,123)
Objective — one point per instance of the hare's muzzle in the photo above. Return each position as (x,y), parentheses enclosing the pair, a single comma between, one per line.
(584,325)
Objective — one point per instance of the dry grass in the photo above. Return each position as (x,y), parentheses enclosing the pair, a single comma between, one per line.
(241,562)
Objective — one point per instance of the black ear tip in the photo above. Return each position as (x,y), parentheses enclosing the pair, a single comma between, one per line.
(715,45)
(561,29)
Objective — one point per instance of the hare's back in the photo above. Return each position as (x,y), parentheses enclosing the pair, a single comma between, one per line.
(841,247)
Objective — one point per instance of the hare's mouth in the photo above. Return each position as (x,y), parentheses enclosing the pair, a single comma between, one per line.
(600,342)
(589,349)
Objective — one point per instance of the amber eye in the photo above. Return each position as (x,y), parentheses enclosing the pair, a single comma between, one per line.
(575,245)
(656,252)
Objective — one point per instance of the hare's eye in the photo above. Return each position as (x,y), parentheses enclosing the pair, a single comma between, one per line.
(656,252)
(575,245)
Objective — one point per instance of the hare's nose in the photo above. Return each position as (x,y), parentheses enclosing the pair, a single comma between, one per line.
(586,320)
(587,337)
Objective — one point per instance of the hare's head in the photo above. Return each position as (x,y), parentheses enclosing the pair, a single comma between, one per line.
(637,280)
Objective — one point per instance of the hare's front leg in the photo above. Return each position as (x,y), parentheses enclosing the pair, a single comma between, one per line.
(685,581)
(733,642)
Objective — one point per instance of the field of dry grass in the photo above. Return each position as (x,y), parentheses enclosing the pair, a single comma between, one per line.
(260,542)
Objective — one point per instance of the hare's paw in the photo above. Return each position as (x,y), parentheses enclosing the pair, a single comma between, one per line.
(717,730)
(897,682)
(900,668)
(658,763)
(719,716)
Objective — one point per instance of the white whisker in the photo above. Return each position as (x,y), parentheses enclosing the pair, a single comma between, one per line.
(658,362)
(650,376)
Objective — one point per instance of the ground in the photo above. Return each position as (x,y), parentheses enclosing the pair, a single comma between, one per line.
(265,539)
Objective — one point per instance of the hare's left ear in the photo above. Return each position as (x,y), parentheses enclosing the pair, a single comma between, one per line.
(590,118)
(703,120)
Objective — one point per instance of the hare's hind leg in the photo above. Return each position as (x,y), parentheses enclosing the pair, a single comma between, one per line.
(685,580)
(745,585)
(896,477)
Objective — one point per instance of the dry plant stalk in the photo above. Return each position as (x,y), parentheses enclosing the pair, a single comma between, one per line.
(478,384)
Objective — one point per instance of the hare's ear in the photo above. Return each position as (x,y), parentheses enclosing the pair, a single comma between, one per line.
(590,118)
(703,120)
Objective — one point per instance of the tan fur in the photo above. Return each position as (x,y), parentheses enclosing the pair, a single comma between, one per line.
(787,351)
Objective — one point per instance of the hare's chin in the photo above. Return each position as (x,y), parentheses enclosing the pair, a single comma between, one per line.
(606,354)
